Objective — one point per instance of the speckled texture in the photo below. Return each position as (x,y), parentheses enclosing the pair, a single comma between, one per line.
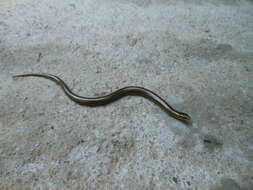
(198,55)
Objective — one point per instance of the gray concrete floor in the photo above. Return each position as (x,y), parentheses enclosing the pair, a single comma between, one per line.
(198,55)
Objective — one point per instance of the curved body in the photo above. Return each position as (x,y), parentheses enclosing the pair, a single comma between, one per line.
(103,100)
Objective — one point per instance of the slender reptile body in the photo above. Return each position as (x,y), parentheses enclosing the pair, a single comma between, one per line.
(103,100)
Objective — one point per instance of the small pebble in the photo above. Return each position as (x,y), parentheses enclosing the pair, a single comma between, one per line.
(175,180)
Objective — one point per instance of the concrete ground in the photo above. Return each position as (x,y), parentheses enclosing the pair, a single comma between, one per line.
(198,55)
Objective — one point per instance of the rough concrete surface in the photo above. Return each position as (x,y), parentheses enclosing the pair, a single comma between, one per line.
(198,55)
